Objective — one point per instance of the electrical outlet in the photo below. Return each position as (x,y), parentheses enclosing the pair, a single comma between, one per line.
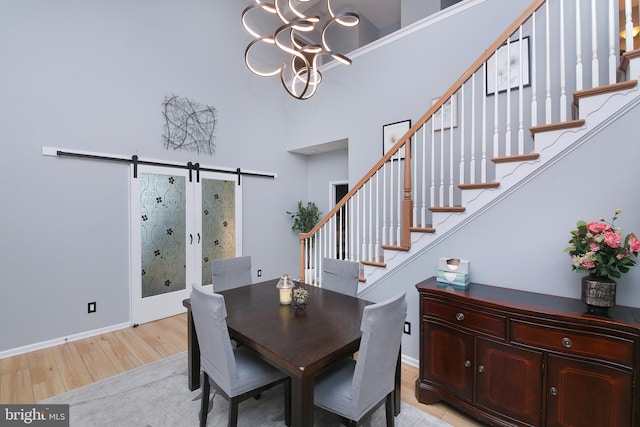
(259,273)
(91,307)
(407,328)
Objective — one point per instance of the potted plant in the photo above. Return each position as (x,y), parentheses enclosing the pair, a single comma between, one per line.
(304,219)
(600,249)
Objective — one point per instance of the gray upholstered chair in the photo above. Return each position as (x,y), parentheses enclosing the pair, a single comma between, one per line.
(340,276)
(230,273)
(354,389)
(237,374)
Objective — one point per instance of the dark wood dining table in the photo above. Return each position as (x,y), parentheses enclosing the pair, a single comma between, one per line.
(301,343)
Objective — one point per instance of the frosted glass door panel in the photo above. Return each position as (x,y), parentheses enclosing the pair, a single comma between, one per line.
(218,223)
(163,230)
(180,222)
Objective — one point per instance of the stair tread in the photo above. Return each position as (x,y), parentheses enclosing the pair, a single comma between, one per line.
(569,124)
(395,248)
(422,229)
(614,87)
(374,264)
(480,185)
(516,158)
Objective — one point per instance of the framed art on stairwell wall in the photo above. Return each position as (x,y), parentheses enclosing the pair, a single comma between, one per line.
(391,133)
(511,69)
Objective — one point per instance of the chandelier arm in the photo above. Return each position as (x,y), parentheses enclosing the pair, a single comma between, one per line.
(326,26)
(305,73)
(312,18)
(340,16)
(290,92)
(255,70)
(269,7)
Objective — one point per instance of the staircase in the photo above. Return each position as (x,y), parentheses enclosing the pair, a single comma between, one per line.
(499,125)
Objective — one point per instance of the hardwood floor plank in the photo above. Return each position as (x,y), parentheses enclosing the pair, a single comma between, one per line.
(117,353)
(73,371)
(48,388)
(98,365)
(137,347)
(16,387)
(42,366)
(72,365)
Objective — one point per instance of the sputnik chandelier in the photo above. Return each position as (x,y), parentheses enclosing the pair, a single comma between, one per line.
(291,39)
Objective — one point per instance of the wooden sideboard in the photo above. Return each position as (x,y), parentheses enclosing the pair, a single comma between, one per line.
(515,358)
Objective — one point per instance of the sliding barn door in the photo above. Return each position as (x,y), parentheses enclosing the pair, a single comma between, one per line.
(180,221)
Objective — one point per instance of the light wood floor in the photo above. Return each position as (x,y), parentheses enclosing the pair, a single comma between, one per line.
(30,377)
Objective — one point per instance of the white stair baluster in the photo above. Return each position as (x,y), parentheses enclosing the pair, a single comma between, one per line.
(579,77)
(563,82)
(595,74)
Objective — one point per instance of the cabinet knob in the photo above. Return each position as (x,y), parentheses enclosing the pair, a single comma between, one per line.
(481,368)
(567,342)
(460,317)
(553,391)
(467,363)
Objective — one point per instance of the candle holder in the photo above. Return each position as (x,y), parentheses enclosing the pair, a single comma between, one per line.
(285,286)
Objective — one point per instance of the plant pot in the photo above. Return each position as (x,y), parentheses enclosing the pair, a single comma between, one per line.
(599,294)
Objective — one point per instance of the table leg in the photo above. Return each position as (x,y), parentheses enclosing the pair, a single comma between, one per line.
(302,401)
(396,391)
(193,353)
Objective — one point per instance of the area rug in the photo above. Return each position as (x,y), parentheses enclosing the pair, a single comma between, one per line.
(157,395)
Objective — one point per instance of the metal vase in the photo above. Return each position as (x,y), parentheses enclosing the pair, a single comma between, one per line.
(599,293)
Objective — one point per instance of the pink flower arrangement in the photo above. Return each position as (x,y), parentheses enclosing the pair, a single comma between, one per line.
(599,248)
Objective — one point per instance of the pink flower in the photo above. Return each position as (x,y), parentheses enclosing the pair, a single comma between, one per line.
(623,255)
(598,227)
(594,247)
(634,244)
(587,265)
(613,240)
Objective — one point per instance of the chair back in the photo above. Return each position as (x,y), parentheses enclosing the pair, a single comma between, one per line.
(230,273)
(340,276)
(216,354)
(374,374)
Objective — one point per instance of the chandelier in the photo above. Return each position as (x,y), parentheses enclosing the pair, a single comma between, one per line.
(294,42)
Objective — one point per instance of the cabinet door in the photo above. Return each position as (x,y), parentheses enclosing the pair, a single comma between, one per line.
(447,356)
(509,380)
(586,394)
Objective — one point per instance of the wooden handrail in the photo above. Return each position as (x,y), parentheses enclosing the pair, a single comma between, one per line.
(402,142)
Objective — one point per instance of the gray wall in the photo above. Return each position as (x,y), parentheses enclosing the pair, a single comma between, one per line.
(519,242)
(91,75)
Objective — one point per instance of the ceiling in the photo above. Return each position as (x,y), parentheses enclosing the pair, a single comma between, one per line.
(381,13)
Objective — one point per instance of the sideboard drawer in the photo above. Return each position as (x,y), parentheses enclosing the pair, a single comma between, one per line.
(483,322)
(570,341)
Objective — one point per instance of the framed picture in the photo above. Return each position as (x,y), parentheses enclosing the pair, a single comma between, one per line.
(508,67)
(447,116)
(391,133)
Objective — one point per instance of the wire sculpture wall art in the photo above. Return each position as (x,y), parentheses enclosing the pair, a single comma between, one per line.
(188,125)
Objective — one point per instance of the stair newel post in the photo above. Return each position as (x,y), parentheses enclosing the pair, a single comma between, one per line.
(303,260)
(407,202)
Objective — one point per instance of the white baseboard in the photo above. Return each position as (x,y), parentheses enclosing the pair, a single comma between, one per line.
(410,361)
(62,340)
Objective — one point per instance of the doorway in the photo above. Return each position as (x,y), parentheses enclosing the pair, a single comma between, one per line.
(180,222)
(339,190)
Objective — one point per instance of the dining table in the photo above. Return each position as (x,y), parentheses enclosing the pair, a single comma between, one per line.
(301,342)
